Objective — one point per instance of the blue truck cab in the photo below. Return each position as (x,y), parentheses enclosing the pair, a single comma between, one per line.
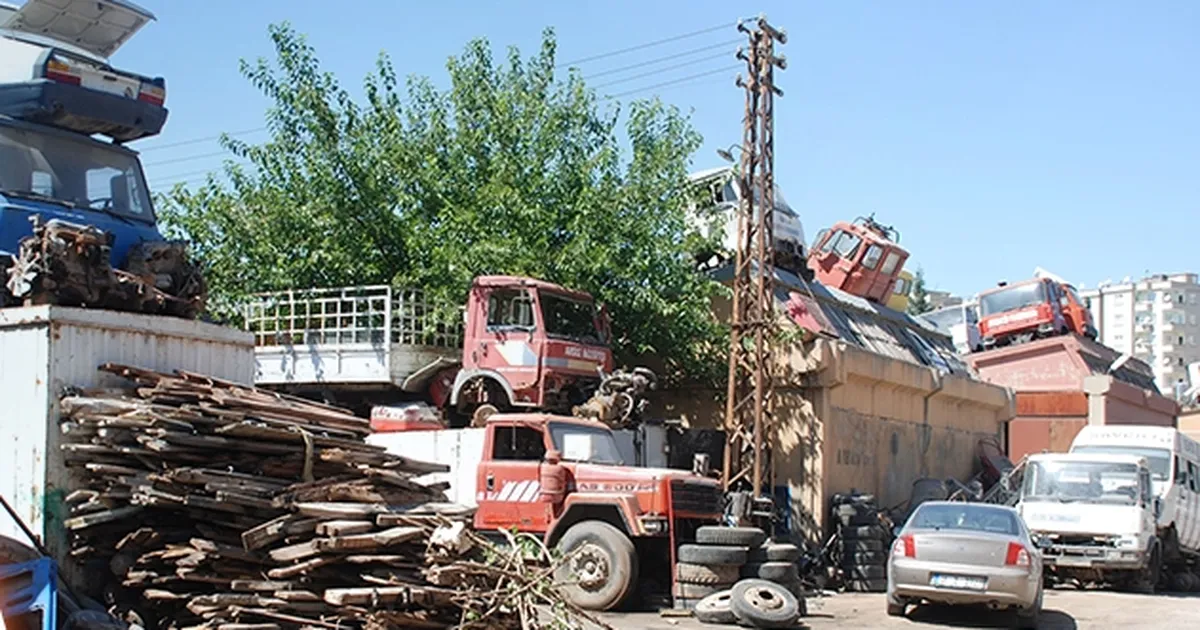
(57,94)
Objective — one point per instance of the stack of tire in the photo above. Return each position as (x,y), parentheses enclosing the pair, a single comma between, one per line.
(775,562)
(864,543)
(714,563)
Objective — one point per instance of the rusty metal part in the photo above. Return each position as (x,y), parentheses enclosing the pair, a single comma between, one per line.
(620,400)
(67,264)
(750,401)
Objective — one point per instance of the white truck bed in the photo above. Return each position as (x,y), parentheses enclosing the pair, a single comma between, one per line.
(368,335)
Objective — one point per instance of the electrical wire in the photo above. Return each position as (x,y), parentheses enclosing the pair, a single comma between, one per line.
(660,70)
(646,45)
(661,59)
(199,140)
(186,158)
(674,82)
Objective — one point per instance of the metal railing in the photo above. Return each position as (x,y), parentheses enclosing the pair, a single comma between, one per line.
(374,314)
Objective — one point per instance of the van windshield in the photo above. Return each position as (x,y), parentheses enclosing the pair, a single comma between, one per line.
(1012,298)
(76,173)
(1084,482)
(1158,459)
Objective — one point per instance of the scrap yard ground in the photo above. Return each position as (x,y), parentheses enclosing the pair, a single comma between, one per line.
(1064,610)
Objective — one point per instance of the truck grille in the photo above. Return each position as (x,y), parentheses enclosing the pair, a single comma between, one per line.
(696,498)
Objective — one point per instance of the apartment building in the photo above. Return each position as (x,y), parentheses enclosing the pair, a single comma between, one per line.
(1156,319)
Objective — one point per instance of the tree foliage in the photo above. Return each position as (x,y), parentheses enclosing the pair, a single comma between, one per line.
(918,298)
(508,170)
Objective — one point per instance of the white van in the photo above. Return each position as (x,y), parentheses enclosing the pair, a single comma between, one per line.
(1174,462)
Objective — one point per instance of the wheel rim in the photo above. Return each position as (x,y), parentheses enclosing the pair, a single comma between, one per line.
(764,599)
(591,567)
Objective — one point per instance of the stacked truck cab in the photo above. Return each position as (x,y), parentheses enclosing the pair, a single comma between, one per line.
(1032,309)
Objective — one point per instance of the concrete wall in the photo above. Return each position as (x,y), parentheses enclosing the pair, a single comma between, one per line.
(853,419)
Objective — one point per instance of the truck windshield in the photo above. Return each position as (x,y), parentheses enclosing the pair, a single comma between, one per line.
(1085,482)
(77,173)
(585,444)
(1159,459)
(570,319)
(1012,298)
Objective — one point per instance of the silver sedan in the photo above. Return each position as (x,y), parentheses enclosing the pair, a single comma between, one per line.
(951,552)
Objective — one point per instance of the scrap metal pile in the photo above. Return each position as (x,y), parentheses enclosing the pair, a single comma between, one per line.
(68,264)
(206,503)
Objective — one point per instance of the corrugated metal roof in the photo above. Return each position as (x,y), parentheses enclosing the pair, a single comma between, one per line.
(870,326)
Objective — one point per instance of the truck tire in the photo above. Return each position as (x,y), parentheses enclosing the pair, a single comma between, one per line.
(864,532)
(866,572)
(1146,580)
(878,585)
(712,554)
(857,545)
(763,604)
(706,573)
(732,536)
(715,609)
(778,572)
(697,592)
(601,574)
(775,553)
(866,557)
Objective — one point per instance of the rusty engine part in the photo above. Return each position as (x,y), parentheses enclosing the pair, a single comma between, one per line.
(620,399)
(67,264)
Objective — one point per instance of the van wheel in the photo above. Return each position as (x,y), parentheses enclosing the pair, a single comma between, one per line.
(602,566)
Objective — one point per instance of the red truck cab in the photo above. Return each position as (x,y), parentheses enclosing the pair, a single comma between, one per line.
(562,478)
(1032,309)
(528,344)
(861,258)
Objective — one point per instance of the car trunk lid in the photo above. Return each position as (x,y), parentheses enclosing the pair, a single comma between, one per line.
(982,549)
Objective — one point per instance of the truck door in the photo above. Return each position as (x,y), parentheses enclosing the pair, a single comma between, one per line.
(509,343)
(508,488)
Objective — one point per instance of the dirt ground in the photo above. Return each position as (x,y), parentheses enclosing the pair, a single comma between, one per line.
(1063,610)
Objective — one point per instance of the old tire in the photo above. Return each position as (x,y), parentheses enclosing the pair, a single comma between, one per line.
(855,546)
(707,574)
(774,553)
(866,557)
(1146,581)
(601,574)
(778,572)
(864,532)
(731,536)
(715,609)
(697,592)
(712,554)
(866,572)
(763,604)
(877,585)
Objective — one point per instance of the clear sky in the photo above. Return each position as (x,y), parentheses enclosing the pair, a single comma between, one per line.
(996,136)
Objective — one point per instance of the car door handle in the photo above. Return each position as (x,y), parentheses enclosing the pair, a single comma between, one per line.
(491,482)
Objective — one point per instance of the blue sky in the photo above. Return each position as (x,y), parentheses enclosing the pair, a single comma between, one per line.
(996,136)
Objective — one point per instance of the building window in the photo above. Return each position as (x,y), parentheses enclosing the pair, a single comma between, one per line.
(1180,342)
(1179,298)
(1180,362)
(1191,298)
(1193,320)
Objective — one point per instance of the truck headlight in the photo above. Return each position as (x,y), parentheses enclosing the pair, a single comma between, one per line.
(654,524)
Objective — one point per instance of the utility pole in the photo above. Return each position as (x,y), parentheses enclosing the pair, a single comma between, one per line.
(749,411)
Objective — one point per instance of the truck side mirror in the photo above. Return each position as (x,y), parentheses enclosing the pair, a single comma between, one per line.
(1158,507)
(1041,542)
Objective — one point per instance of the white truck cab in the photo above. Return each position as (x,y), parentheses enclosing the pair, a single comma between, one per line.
(1095,517)
(719,199)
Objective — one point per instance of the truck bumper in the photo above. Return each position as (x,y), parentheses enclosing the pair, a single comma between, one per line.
(1077,557)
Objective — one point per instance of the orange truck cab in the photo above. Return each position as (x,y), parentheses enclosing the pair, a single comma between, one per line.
(562,478)
(862,258)
(1032,309)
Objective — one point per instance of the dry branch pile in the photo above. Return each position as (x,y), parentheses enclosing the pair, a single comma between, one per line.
(205,503)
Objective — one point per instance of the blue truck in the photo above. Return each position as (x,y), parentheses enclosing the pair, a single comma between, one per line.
(77,222)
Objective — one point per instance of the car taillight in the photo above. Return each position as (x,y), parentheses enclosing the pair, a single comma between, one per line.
(905,547)
(1018,556)
(153,94)
(61,72)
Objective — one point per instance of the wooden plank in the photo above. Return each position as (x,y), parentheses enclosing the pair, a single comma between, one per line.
(97,518)
(343,528)
(339,510)
(373,540)
(301,568)
(295,552)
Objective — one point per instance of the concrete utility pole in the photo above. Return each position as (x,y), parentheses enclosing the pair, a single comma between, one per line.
(750,403)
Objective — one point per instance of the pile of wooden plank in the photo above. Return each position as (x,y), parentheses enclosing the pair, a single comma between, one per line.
(218,505)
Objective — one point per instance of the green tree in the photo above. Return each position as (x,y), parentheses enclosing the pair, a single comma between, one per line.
(918,298)
(510,169)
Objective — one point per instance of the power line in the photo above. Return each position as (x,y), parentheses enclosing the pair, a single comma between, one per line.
(659,42)
(187,158)
(179,176)
(661,59)
(661,70)
(667,83)
(199,140)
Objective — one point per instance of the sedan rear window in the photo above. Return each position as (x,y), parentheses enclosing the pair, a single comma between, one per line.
(965,516)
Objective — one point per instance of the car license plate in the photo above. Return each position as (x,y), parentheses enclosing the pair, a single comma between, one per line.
(960,582)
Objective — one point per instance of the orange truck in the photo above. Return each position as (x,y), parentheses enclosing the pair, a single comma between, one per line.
(563,479)
(1032,309)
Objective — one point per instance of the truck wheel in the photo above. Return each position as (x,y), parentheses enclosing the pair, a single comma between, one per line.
(602,568)
(734,536)
(1146,581)
(715,609)
(763,604)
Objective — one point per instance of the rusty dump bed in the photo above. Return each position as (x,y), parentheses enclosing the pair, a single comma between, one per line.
(868,325)
(1058,363)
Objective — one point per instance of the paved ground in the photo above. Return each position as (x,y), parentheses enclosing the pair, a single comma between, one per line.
(1063,610)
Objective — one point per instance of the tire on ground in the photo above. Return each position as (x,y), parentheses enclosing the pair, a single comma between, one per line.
(775,553)
(606,545)
(732,536)
(778,572)
(698,591)
(866,572)
(763,604)
(707,574)
(715,609)
(712,554)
